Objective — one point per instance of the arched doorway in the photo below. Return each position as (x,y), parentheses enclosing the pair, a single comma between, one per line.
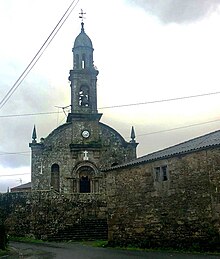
(85,178)
(85,174)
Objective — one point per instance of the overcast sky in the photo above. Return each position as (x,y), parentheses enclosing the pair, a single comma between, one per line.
(145,51)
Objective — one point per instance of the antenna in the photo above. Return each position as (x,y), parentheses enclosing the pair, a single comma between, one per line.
(63,108)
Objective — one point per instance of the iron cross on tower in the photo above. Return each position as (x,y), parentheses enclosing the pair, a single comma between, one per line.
(81,15)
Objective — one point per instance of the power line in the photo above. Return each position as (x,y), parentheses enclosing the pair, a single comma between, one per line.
(177,128)
(140,135)
(14,174)
(28,114)
(38,54)
(160,101)
(24,153)
(115,106)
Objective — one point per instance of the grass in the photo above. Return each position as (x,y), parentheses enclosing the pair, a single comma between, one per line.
(165,250)
(104,244)
(96,243)
(3,252)
(25,239)
(100,243)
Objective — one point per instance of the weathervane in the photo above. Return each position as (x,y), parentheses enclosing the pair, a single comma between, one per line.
(82,15)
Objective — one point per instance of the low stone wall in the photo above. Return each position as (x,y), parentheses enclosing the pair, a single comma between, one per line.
(43,214)
(181,212)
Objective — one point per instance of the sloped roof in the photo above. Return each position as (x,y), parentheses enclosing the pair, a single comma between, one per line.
(203,142)
(23,186)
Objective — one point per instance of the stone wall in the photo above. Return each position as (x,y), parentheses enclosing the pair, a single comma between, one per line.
(179,208)
(181,211)
(44,214)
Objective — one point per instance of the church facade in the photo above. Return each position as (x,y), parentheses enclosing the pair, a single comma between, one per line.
(72,157)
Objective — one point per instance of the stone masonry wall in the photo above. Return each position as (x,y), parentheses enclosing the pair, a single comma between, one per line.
(43,214)
(181,212)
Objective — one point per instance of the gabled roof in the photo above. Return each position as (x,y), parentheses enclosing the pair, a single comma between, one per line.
(22,186)
(203,142)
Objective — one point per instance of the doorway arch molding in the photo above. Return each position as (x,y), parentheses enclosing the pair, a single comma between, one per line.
(86,177)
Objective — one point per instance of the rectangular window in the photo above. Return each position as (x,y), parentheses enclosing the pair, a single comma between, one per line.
(164,171)
(160,173)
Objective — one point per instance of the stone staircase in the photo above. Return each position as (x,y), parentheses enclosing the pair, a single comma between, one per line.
(86,229)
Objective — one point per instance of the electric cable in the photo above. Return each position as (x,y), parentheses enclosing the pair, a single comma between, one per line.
(28,114)
(38,54)
(14,174)
(160,101)
(24,153)
(177,128)
(139,135)
(116,106)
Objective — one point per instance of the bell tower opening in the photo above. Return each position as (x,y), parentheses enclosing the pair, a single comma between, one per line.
(84,96)
(83,61)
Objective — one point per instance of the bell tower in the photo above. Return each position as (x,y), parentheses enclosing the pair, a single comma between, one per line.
(83,78)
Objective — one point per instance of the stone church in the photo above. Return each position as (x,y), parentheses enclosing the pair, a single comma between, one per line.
(88,184)
(71,158)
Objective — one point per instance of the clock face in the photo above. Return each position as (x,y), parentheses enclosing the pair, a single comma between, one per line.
(85,134)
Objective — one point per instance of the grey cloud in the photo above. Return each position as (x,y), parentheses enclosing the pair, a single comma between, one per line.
(178,11)
(33,96)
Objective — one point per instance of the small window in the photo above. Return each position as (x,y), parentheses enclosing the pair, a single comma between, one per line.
(160,173)
(164,171)
(55,177)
